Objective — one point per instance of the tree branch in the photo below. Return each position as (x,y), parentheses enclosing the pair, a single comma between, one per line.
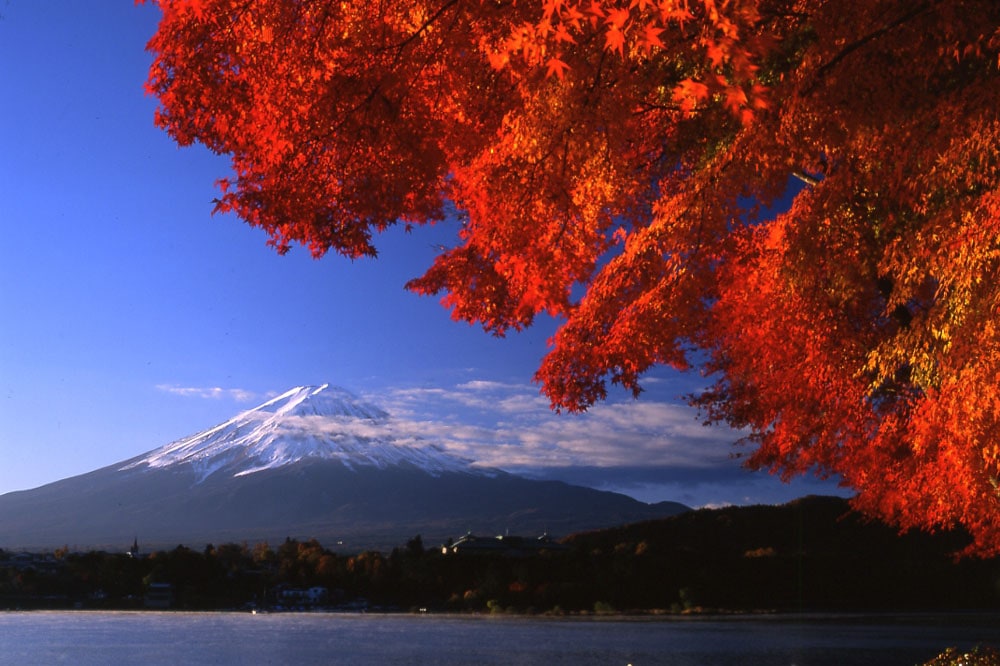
(806,178)
(916,11)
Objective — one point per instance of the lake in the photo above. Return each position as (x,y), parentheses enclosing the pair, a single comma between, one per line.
(83,638)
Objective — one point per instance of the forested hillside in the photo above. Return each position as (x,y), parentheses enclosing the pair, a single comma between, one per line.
(812,554)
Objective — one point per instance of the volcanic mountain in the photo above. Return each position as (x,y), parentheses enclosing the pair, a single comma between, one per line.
(313,462)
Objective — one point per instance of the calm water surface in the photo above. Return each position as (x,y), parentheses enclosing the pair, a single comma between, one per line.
(86,638)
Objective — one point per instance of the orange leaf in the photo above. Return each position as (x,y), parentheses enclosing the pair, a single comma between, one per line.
(498,60)
(617,18)
(614,40)
(715,53)
(736,98)
(650,38)
(595,9)
(689,94)
(557,67)
(563,35)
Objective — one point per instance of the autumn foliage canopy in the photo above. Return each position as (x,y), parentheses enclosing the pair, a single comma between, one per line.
(799,197)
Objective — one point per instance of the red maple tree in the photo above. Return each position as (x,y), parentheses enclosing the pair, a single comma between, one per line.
(634,151)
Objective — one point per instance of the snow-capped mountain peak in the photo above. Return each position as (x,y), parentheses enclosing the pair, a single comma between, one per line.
(307,422)
(325,400)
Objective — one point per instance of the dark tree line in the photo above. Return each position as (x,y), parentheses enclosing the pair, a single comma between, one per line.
(808,555)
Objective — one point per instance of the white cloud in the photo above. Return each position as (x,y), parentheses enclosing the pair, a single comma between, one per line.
(210,392)
(510,426)
(649,448)
(489,385)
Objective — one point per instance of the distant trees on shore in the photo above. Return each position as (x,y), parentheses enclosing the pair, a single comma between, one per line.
(808,555)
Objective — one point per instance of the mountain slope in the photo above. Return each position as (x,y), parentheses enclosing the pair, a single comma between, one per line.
(313,462)
(307,422)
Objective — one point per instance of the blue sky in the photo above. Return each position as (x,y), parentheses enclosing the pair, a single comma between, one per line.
(131,317)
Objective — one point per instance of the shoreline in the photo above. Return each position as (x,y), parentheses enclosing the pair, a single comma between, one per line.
(992,617)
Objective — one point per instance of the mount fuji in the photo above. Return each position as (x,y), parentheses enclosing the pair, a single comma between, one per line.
(314,462)
(308,423)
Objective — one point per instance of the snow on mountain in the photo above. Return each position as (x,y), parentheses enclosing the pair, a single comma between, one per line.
(316,462)
(305,423)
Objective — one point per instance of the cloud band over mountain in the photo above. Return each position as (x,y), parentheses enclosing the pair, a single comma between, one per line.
(650,448)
